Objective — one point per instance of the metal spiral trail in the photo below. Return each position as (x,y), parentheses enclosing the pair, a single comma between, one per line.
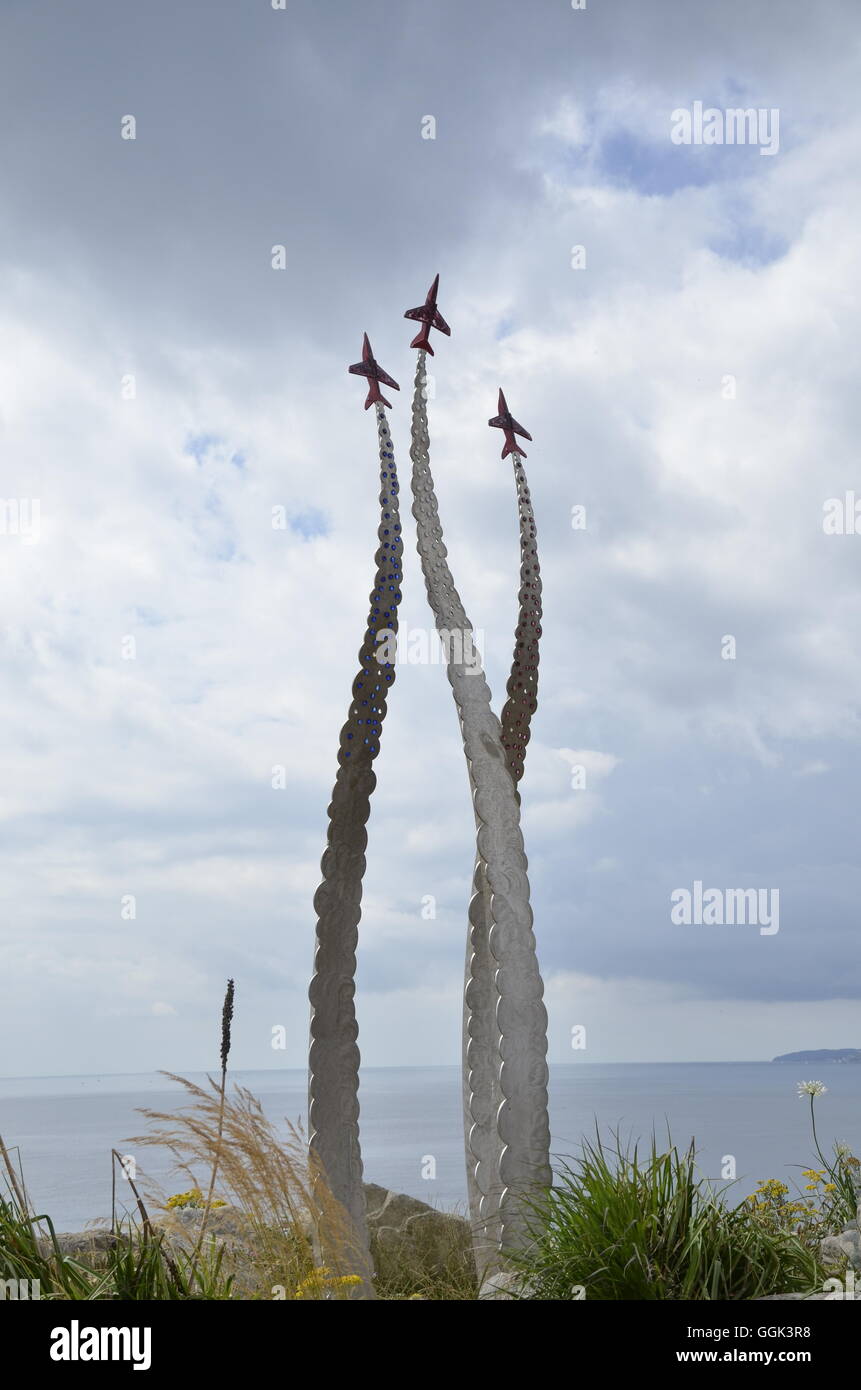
(508,1155)
(333,1090)
(481,1094)
(522,687)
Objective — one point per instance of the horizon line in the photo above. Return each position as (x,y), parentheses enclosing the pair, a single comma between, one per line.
(430,1066)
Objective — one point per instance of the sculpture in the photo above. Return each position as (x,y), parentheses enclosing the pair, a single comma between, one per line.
(333,1087)
(481,1037)
(505,1022)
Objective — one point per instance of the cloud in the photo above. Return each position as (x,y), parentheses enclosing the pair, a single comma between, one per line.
(568,123)
(167,650)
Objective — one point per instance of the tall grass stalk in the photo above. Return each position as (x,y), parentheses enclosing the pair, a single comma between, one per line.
(117,1158)
(226,1021)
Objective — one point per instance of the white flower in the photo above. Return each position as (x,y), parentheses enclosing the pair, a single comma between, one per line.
(811,1088)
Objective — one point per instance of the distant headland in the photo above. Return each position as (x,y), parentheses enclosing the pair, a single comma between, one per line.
(823,1054)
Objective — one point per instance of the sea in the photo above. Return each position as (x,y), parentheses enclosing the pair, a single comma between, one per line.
(744,1117)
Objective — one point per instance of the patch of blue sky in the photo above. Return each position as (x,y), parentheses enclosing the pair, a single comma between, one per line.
(660,168)
(309,523)
(148,617)
(749,244)
(198,445)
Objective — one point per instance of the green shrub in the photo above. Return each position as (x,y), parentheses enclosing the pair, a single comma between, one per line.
(617,1225)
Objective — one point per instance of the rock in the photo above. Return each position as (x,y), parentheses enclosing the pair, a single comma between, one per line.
(431,1236)
(503,1285)
(845,1245)
(227,1229)
(394,1209)
(416,1250)
(80,1244)
(228,1224)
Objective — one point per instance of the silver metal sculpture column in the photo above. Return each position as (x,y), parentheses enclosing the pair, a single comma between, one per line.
(481,1040)
(333,1088)
(480,1046)
(522,687)
(517,1152)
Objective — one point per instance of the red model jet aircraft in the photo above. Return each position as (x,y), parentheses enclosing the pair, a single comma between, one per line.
(429,316)
(369,367)
(504,421)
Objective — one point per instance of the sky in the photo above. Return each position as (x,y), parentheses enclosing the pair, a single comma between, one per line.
(675,324)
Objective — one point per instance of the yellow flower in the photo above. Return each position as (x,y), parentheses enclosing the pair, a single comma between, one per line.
(771,1187)
(321,1279)
(193,1198)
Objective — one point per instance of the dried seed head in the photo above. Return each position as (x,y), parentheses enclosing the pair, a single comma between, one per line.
(226,1020)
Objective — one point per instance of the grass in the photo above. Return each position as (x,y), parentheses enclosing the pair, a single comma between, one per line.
(135,1266)
(622,1225)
